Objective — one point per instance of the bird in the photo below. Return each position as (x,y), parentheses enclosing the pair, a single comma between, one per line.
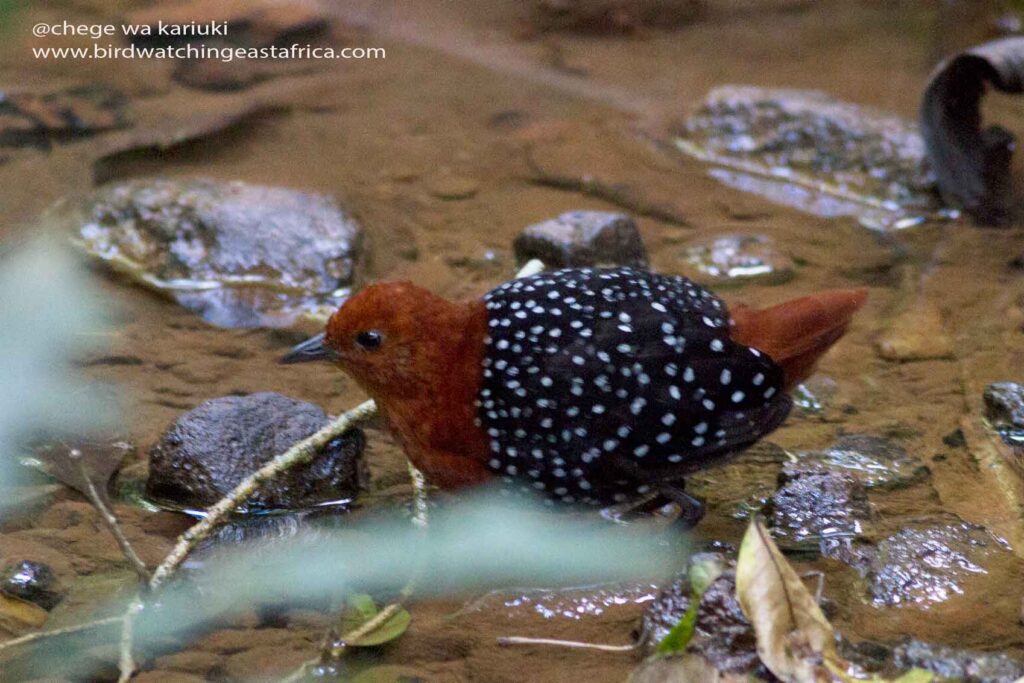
(587,386)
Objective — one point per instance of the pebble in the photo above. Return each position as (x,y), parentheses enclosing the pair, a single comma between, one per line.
(583,238)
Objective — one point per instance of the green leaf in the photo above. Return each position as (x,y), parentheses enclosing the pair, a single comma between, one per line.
(359,609)
(704,569)
(676,640)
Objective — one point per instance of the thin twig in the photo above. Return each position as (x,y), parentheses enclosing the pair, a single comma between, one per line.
(126,663)
(40,635)
(622,196)
(575,644)
(419,500)
(110,520)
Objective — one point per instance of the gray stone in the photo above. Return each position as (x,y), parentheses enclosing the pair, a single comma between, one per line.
(738,259)
(877,462)
(806,149)
(953,664)
(210,449)
(240,255)
(821,509)
(583,238)
(929,561)
(32,581)
(1004,408)
(722,634)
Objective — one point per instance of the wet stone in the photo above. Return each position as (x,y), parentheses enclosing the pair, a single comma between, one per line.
(875,461)
(31,581)
(42,118)
(930,562)
(210,449)
(583,238)
(806,149)
(722,634)
(240,255)
(738,259)
(611,16)
(958,665)
(822,509)
(1004,409)
(666,610)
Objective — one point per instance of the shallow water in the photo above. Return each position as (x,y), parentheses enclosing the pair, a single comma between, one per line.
(462,97)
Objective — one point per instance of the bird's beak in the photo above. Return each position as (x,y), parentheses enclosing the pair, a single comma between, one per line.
(310,350)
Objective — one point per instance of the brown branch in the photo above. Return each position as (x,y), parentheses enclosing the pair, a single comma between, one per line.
(621,196)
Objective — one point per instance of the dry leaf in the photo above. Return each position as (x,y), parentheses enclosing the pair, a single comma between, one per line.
(793,636)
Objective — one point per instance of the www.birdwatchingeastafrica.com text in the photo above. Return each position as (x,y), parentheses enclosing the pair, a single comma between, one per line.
(224,54)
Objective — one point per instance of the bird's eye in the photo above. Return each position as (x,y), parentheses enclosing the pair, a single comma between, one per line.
(369,340)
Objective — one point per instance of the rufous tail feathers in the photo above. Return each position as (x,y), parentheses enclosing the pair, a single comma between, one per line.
(797,333)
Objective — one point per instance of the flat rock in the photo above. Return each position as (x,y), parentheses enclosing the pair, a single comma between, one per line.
(40,118)
(824,509)
(583,238)
(915,334)
(207,451)
(931,562)
(240,255)
(611,16)
(873,460)
(806,149)
(738,259)
(954,664)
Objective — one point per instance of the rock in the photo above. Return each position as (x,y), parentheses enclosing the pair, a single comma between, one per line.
(666,610)
(157,676)
(958,665)
(611,16)
(738,259)
(265,663)
(806,149)
(452,187)
(210,449)
(1004,409)
(583,238)
(252,23)
(916,334)
(31,581)
(240,255)
(929,562)
(40,118)
(876,462)
(821,508)
(722,634)
(191,661)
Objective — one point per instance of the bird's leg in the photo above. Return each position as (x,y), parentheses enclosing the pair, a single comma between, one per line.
(691,507)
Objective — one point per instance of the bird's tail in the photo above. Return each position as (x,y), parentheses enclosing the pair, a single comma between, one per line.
(795,334)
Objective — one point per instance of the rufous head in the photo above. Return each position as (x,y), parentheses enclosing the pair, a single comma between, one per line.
(392,338)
